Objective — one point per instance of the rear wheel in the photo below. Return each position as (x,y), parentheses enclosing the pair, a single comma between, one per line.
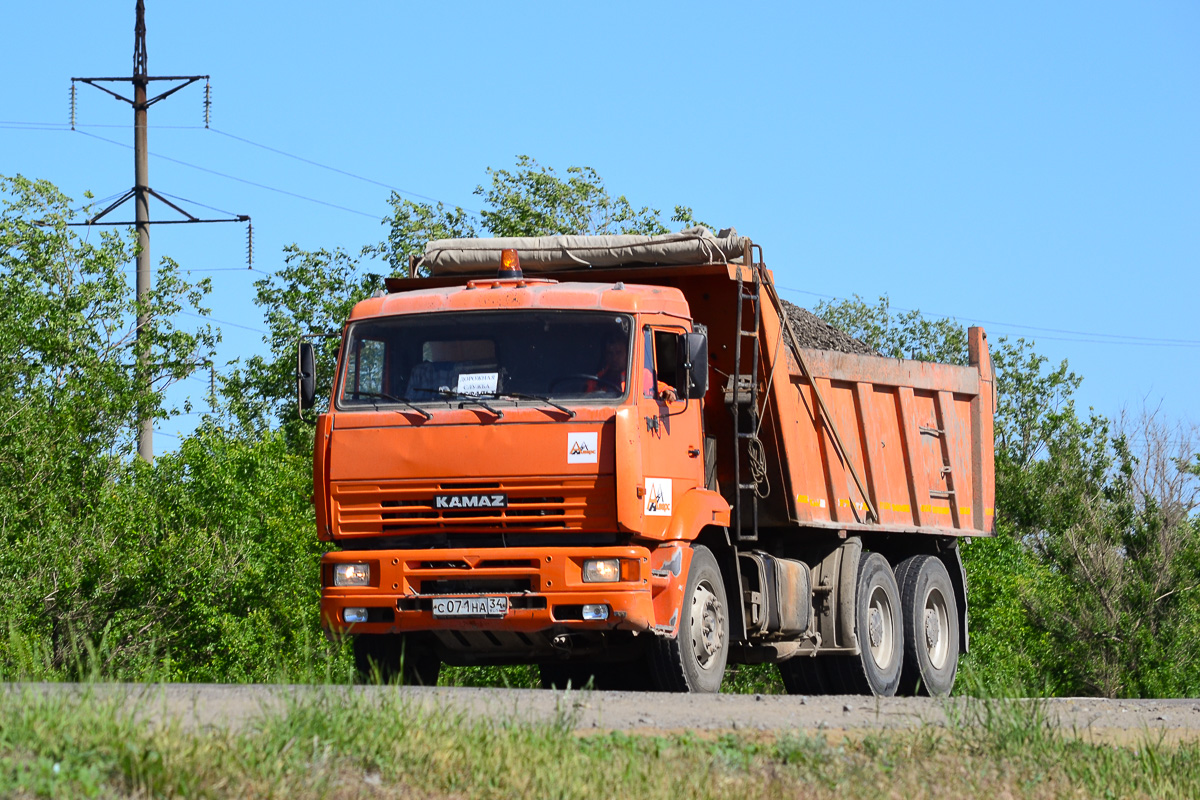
(880,628)
(392,658)
(694,661)
(805,675)
(931,626)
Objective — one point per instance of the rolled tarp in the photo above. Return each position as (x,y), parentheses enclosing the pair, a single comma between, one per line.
(553,253)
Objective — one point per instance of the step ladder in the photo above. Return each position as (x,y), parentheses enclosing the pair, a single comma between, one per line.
(741,396)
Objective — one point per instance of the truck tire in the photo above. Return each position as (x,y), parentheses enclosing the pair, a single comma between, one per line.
(880,627)
(805,675)
(694,661)
(931,626)
(622,676)
(392,658)
(561,675)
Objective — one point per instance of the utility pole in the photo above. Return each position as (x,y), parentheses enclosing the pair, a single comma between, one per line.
(141,201)
(141,193)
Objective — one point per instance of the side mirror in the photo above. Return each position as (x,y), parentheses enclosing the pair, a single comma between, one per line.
(693,354)
(306,375)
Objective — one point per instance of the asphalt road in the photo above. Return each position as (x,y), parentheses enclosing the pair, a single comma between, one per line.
(234,706)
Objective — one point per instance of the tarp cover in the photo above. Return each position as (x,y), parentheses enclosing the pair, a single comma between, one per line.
(551,253)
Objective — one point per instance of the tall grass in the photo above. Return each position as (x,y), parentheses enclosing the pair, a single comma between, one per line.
(347,742)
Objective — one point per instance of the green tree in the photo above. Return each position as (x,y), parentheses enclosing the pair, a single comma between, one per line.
(312,294)
(1119,598)
(906,334)
(532,200)
(69,401)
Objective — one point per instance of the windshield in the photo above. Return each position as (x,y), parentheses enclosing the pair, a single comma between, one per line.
(433,358)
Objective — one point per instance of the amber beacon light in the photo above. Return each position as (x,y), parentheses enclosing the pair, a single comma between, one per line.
(510,264)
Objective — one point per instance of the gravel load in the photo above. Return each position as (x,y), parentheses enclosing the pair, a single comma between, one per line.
(814,332)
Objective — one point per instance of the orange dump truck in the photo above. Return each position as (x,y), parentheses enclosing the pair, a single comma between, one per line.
(614,457)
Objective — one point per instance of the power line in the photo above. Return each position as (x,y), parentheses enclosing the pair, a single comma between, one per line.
(16,125)
(1106,338)
(29,128)
(222,322)
(205,269)
(66,126)
(348,174)
(201,205)
(240,180)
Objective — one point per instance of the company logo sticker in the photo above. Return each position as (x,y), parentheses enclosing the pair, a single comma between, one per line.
(658,497)
(581,448)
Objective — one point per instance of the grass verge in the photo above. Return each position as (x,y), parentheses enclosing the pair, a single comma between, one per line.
(337,744)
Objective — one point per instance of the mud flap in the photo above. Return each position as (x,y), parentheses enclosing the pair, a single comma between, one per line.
(668,575)
(958,576)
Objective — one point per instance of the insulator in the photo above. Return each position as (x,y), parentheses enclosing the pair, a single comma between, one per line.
(249,245)
(207,103)
(72,105)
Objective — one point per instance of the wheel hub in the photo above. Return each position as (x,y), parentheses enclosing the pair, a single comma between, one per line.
(875,626)
(707,618)
(933,629)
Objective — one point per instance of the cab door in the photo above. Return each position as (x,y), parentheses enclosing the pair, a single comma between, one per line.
(671,440)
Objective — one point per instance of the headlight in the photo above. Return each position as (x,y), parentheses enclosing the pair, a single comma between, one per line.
(351,615)
(601,570)
(351,575)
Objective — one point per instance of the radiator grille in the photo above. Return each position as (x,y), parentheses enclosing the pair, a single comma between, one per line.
(569,504)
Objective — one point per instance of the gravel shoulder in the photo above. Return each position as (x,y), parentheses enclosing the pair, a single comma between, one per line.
(234,706)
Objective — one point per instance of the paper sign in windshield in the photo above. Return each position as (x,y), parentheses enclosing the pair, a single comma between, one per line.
(478,383)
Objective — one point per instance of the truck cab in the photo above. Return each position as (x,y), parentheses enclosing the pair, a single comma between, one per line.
(513,467)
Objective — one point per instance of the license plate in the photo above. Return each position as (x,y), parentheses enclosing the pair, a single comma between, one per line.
(470,606)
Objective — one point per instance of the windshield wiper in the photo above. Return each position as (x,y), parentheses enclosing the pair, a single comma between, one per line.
(465,398)
(394,399)
(522,396)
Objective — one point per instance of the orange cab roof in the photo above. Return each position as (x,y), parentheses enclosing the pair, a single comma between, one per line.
(491,294)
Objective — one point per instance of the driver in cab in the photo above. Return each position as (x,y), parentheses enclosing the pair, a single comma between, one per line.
(611,374)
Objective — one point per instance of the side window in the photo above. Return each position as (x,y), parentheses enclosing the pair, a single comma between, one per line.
(666,358)
(365,374)
(649,382)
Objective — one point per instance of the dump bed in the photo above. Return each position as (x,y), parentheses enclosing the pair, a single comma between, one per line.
(867,441)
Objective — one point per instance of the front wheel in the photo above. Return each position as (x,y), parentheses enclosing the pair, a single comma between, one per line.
(694,661)
(391,658)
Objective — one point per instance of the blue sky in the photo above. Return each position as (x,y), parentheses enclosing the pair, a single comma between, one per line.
(1034,166)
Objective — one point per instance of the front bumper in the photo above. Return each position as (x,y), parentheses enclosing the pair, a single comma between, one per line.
(545,590)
